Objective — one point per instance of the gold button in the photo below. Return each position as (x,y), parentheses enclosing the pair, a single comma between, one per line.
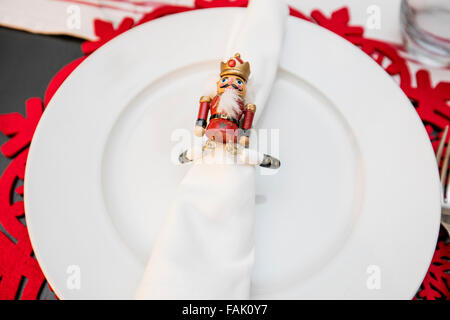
(251,107)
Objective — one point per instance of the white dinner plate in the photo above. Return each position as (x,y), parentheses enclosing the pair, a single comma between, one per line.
(353,212)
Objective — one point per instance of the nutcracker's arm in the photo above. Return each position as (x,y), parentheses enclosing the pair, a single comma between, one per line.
(203,110)
(247,121)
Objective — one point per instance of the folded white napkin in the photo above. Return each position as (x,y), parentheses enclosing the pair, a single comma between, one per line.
(205,249)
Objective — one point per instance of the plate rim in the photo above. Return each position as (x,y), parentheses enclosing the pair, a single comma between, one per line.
(93,56)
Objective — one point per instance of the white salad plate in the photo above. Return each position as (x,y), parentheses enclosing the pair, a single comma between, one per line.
(353,211)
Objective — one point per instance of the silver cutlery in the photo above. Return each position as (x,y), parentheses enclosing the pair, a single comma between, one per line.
(445,179)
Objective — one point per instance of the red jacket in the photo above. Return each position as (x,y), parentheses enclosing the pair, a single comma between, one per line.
(222,127)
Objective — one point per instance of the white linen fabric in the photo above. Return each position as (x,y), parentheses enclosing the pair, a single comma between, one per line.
(205,249)
(74,17)
(261,25)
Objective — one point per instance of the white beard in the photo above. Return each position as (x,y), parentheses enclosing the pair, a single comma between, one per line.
(229,103)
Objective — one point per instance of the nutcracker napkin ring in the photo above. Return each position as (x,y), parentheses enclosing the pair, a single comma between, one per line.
(231,118)
(266,161)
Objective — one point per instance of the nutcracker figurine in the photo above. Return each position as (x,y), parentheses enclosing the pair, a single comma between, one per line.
(205,248)
(231,116)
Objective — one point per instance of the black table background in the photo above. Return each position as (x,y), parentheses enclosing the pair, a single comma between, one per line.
(27,64)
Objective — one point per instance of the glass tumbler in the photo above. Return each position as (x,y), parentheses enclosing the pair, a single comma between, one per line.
(426,30)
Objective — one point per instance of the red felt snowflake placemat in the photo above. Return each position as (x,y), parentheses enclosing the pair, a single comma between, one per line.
(19,270)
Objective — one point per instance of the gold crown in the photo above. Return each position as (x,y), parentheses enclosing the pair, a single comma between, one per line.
(235,66)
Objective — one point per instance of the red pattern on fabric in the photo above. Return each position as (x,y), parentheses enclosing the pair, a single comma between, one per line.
(431,102)
(105,31)
(338,23)
(220,3)
(436,284)
(295,13)
(19,128)
(16,262)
